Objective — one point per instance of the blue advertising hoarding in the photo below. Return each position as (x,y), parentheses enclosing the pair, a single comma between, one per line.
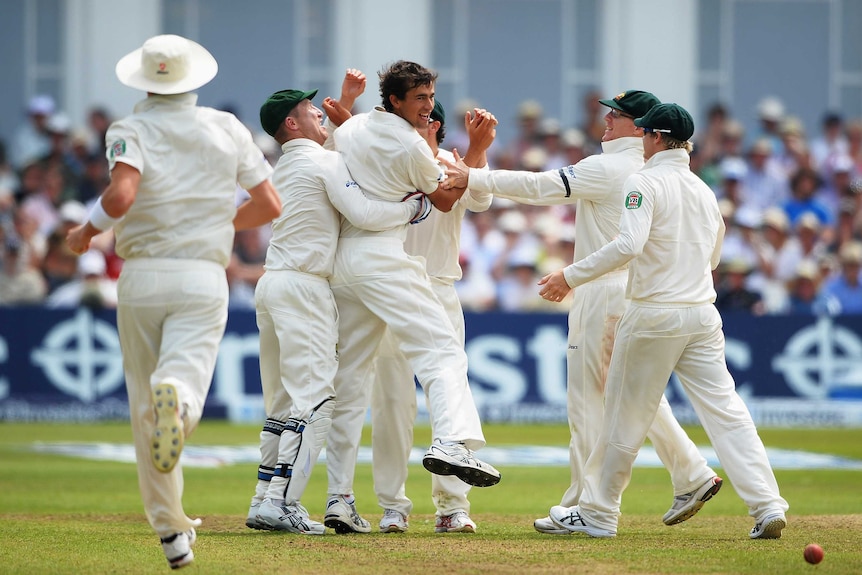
(66,365)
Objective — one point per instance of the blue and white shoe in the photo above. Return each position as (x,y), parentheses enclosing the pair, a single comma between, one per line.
(178,548)
(770,527)
(570,518)
(455,459)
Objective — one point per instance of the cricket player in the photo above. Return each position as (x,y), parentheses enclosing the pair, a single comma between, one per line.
(296,312)
(393,396)
(171,201)
(671,233)
(595,187)
(378,285)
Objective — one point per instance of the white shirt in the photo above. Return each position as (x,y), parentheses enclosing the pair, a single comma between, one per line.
(190,159)
(671,231)
(314,186)
(595,184)
(366,138)
(438,237)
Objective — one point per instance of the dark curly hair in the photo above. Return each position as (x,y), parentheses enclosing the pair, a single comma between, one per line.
(400,77)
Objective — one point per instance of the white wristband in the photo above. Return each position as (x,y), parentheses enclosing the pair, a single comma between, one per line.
(100,220)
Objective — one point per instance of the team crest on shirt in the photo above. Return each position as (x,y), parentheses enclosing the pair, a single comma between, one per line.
(118,148)
(633,200)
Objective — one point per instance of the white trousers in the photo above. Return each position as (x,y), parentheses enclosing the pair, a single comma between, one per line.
(171,317)
(651,343)
(298,324)
(393,413)
(596,310)
(377,285)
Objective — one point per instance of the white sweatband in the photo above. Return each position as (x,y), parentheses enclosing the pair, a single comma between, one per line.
(100,220)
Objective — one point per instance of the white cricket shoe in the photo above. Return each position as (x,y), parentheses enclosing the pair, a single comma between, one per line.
(570,518)
(343,516)
(546,525)
(393,522)
(252,521)
(178,548)
(458,522)
(769,527)
(459,461)
(685,506)
(166,445)
(290,517)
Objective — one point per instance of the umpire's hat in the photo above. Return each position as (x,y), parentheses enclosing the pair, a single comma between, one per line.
(167,64)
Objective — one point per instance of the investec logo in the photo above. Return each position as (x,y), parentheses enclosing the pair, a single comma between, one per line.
(819,358)
(81,356)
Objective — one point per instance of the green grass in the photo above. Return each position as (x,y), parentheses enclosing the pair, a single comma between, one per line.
(67,515)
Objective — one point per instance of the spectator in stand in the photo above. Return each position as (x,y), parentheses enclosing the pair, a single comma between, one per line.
(733,295)
(593,123)
(246,267)
(849,223)
(804,289)
(94,178)
(529,118)
(770,114)
(8,183)
(20,283)
(516,290)
(99,120)
(795,154)
(830,144)
(92,288)
(519,244)
(551,135)
(805,186)
(709,141)
(44,205)
(574,144)
(838,178)
(732,146)
(854,143)
(777,260)
(846,287)
(60,264)
(733,171)
(808,242)
(482,241)
(31,141)
(60,156)
(737,244)
(476,290)
(764,182)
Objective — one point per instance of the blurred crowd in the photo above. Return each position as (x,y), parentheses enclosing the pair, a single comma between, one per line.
(792,202)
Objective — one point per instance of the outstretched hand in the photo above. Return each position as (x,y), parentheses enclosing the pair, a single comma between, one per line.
(352,87)
(480,126)
(457,174)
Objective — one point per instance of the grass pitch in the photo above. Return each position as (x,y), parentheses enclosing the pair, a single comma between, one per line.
(67,515)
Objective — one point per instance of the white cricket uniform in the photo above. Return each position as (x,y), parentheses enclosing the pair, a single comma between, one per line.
(377,284)
(393,394)
(296,312)
(595,185)
(671,232)
(176,240)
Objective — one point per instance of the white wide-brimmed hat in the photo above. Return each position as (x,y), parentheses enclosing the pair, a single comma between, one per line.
(167,64)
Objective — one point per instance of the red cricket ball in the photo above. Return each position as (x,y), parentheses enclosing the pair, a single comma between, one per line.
(813,553)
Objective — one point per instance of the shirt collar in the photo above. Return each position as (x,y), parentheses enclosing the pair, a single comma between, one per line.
(153,101)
